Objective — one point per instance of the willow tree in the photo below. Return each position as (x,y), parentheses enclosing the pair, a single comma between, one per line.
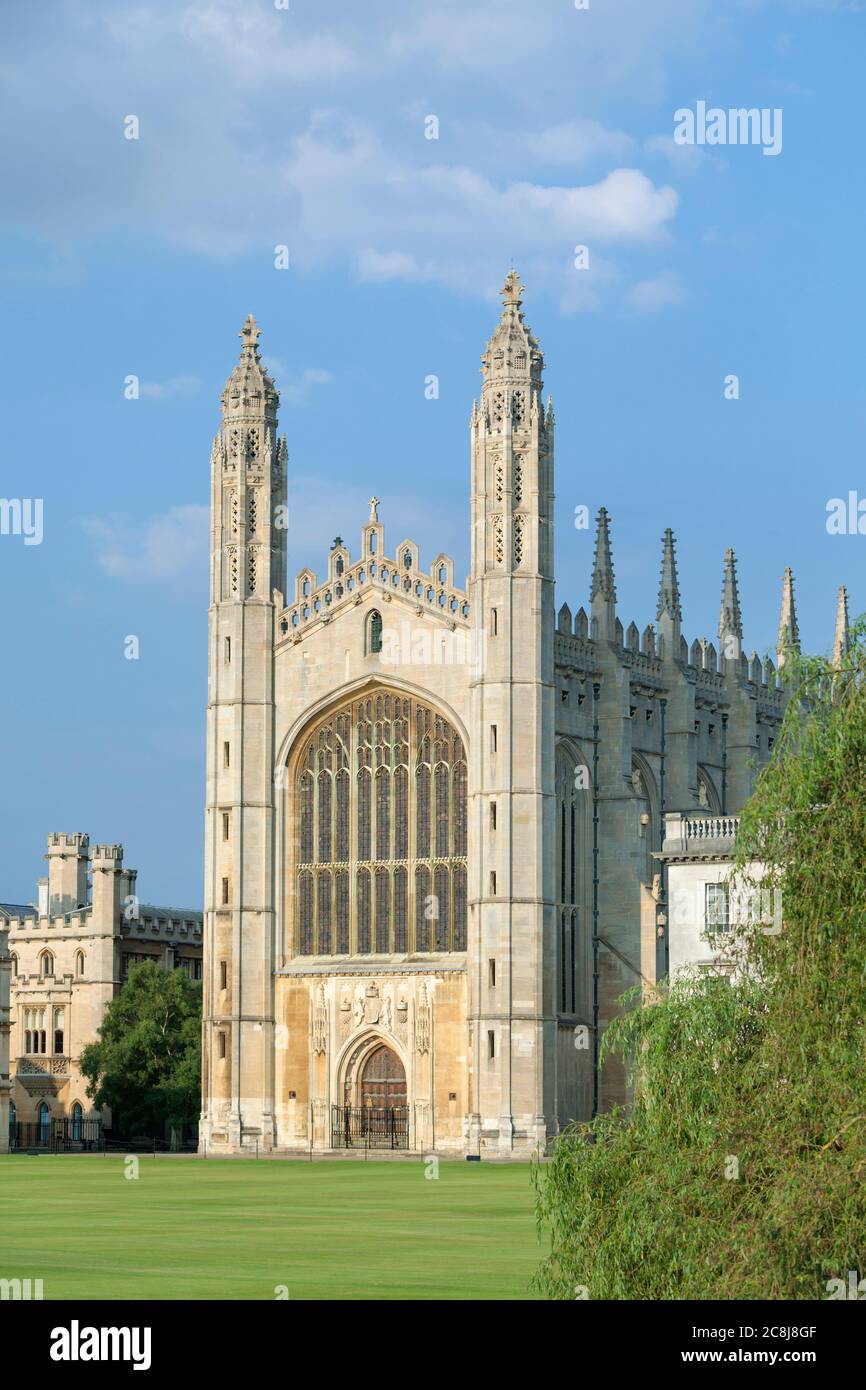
(740,1171)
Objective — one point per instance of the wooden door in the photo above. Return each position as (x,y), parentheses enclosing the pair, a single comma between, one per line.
(383,1080)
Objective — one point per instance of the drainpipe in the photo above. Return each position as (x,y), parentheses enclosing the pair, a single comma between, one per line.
(595,1037)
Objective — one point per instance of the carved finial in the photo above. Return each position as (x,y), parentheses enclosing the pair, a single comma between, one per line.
(374,509)
(789,631)
(250,334)
(512,290)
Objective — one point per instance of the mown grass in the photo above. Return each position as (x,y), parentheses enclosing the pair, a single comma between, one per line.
(193,1229)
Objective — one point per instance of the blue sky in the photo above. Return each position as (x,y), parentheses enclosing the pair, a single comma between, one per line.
(262,127)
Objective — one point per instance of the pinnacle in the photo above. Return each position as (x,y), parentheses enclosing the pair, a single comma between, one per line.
(603,583)
(841,637)
(669,589)
(730,617)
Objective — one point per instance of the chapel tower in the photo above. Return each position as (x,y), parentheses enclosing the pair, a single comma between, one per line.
(248,559)
(511,944)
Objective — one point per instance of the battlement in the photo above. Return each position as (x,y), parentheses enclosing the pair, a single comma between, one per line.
(350,581)
(68,843)
(110,853)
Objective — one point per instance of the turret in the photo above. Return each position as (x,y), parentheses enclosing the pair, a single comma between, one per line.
(511,780)
(67,872)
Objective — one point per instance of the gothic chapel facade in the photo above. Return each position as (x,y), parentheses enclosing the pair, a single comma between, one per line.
(432,811)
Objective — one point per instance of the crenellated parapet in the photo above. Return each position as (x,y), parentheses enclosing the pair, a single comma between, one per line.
(374,573)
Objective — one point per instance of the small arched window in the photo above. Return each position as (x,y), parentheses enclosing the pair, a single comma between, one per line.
(374,633)
(46,965)
(14,965)
(77,1118)
(79,964)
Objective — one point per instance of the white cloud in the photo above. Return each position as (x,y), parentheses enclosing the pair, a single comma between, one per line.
(233,161)
(421,221)
(683,158)
(296,389)
(165,547)
(659,292)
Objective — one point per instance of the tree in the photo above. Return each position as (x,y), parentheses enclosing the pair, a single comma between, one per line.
(739,1172)
(146,1064)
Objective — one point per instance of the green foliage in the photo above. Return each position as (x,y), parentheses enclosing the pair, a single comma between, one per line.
(740,1171)
(146,1064)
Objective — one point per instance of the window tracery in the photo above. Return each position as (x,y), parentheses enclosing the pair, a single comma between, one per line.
(381,832)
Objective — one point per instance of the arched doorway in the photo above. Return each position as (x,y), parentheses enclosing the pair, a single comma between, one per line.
(383,1081)
(375,1113)
(44,1122)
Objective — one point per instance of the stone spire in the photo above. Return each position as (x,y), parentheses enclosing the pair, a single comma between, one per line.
(730,617)
(841,635)
(789,632)
(669,612)
(603,591)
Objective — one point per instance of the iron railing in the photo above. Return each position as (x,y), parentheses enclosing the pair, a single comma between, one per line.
(367,1128)
(64,1134)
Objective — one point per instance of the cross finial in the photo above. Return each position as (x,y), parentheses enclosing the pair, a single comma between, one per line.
(374,509)
(512,290)
(250,333)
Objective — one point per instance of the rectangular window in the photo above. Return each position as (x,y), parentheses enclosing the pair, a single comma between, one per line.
(228,650)
(716,907)
(494,622)
(491,973)
(224,974)
(221,1043)
(225,825)
(491,1045)
(493,815)
(493,738)
(493,883)
(225,891)
(226,755)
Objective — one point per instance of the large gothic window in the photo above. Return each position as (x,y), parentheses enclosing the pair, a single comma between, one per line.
(380,832)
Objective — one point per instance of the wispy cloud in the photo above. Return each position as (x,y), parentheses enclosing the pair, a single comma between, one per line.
(296,387)
(162,548)
(658,292)
(175,386)
(233,157)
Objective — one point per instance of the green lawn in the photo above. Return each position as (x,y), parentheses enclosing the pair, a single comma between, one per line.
(186,1228)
